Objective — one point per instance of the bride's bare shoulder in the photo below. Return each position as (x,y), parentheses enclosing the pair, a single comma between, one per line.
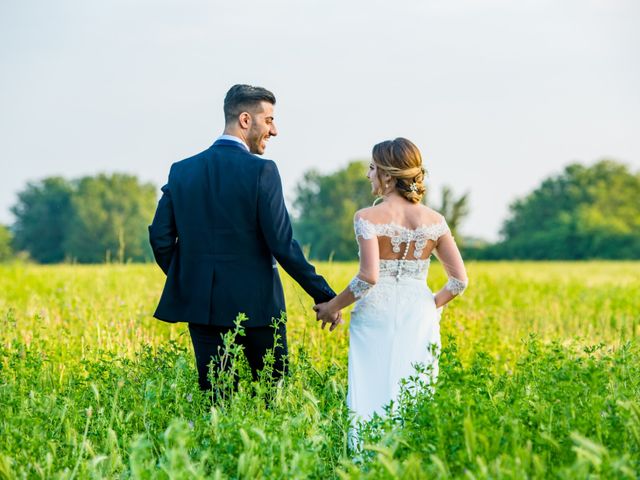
(429,215)
(372,214)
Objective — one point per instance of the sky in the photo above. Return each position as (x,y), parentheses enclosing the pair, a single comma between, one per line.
(498,95)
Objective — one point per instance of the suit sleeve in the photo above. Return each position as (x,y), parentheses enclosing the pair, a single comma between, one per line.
(163,234)
(276,228)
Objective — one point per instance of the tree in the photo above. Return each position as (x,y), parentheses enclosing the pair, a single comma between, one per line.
(110,218)
(88,220)
(42,216)
(5,244)
(454,209)
(325,205)
(585,212)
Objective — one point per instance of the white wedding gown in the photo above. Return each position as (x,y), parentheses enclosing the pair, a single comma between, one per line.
(394,323)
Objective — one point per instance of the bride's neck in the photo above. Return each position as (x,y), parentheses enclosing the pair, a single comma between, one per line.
(392,197)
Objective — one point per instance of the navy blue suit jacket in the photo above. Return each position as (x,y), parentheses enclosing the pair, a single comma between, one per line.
(218,230)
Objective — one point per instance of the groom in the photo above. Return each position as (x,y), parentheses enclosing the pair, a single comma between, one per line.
(217,233)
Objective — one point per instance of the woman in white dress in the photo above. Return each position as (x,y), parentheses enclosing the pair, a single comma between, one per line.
(395,323)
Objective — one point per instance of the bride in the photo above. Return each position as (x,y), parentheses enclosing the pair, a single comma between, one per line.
(395,323)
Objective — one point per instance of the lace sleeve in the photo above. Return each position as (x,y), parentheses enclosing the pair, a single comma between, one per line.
(369,254)
(364,228)
(439,230)
(449,255)
(455,286)
(359,287)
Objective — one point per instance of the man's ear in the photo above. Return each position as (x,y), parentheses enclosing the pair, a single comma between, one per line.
(244,119)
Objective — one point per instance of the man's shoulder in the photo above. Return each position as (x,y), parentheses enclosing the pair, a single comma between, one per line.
(188,162)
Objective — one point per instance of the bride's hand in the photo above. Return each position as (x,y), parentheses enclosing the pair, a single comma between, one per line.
(325,314)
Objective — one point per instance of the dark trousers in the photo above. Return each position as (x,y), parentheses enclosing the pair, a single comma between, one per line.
(208,346)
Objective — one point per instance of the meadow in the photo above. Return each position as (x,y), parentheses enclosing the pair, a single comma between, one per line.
(539,378)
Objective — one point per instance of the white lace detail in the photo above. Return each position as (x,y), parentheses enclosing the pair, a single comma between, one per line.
(400,234)
(364,229)
(455,286)
(417,269)
(359,287)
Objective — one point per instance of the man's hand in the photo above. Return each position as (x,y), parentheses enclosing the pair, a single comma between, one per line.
(326,315)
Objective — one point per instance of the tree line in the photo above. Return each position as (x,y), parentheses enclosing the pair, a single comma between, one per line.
(89,220)
(585,212)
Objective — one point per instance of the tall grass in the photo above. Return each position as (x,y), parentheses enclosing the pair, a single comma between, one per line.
(540,377)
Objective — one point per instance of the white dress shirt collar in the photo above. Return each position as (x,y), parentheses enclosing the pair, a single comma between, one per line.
(233,138)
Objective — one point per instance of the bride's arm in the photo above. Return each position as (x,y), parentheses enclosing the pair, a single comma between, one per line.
(447,252)
(365,279)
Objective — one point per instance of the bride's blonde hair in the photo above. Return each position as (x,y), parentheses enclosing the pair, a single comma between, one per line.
(401,159)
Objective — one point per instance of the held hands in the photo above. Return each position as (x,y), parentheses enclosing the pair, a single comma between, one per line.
(326,315)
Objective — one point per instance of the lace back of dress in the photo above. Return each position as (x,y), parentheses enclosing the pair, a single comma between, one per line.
(404,252)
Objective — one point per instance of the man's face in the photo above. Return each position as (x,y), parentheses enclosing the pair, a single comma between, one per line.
(261,129)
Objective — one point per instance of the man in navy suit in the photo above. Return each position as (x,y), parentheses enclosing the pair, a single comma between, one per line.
(217,233)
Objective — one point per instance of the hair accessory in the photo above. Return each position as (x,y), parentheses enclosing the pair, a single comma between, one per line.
(413,187)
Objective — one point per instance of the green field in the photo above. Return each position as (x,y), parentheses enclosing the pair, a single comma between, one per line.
(540,378)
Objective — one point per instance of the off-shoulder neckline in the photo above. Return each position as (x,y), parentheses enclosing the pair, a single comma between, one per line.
(424,226)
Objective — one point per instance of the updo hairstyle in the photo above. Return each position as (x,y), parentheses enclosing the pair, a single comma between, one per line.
(401,159)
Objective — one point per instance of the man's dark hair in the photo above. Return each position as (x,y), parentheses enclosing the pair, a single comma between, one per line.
(241,98)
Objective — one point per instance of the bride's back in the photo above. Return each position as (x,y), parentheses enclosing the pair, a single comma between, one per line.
(401,224)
